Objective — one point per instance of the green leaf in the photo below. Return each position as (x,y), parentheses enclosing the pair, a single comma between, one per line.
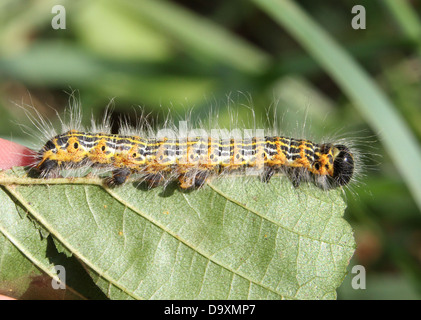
(236,238)
(21,249)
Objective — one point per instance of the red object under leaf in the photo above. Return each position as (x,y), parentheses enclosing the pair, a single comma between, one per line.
(14,155)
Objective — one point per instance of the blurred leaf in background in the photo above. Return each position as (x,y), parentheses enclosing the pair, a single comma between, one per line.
(302,56)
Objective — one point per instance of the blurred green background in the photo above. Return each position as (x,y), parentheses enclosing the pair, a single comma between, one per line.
(292,56)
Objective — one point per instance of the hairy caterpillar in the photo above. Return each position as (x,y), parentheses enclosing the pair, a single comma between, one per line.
(188,157)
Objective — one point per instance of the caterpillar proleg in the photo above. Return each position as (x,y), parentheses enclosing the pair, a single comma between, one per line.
(191,159)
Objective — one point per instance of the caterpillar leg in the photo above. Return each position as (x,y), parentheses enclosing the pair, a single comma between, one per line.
(193,180)
(267,174)
(296,176)
(296,182)
(200,179)
(153,180)
(119,177)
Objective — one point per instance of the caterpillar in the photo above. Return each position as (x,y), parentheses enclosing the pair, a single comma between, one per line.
(188,158)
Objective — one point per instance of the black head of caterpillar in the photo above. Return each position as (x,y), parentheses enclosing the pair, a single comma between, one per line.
(343,166)
(328,165)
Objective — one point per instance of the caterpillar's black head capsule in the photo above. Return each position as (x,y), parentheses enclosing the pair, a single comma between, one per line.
(343,165)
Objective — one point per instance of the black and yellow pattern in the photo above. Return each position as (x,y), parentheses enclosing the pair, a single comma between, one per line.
(193,160)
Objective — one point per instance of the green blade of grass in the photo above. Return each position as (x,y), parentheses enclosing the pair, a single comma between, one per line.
(368,98)
(407,19)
